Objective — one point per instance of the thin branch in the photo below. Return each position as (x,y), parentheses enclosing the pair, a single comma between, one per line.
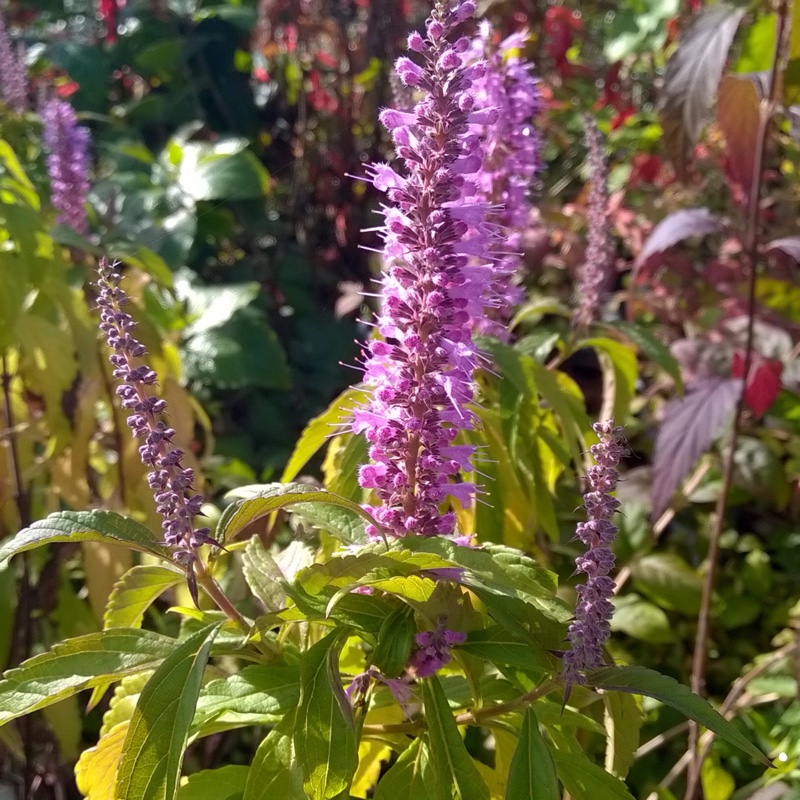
(751,243)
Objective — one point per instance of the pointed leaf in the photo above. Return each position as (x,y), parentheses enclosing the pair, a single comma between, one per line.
(689,426)
(223,783)
(156,740)
(135,592)
(623,718)
(788,244)
(647,682)
(328,761)
(652,348)
(78,664)
(676,227)
(584,780)
(532,773)
(275,772)
(411,776)
(454,772)
(739,117)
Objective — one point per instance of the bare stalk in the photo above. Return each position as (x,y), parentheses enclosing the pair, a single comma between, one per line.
(751,249)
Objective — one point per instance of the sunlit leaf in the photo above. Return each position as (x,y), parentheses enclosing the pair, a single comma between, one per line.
(532,773)
(135,592)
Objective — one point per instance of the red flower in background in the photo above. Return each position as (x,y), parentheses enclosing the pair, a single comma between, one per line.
(560,27)
(108,11)
(763,384)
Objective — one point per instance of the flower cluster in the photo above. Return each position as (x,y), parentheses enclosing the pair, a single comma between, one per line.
(68,162)
(590,630)
(175,499)
(437,255)
(513,158)
(432,650)
(13,79)
(595,274)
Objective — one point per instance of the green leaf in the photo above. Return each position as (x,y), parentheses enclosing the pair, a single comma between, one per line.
(86,526)
(641,619)
(532,773)
(620,370)
(584,780)
(153,751)
(77,664)
(318,431)
(669,581)
(639,680)
(263,575)
(272,496)
(275,771)
(325,735)
(498,646)
(394,643)
(339,522)
(135,592)
(221,170)
(410,777)
(455,775)
(652,348)
(258,695)
(210,307)
(223,783)
(623,720)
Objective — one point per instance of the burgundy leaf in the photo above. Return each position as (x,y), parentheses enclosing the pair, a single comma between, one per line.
(676,227)
(693,74)
(690,425)
(789,245)
(739,117)
(763,383)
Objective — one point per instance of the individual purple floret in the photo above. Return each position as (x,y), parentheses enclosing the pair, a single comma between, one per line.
(437,256)
(590,630)
(596,273)
(432,650)
(68,163)
(13,78)
(513,158)
(175,499)
(399,687)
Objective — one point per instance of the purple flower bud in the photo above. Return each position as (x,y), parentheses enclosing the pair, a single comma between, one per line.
(432,650)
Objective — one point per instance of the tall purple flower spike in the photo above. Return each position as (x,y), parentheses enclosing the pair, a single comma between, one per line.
(437,252)
(68,163)
(513,159)
(13,78)
(175,499)
(590,630)
(596,273)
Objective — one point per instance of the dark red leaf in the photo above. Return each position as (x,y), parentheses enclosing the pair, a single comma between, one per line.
(789,245)
(739,115)
(676,227)
(763,384)
(690,425)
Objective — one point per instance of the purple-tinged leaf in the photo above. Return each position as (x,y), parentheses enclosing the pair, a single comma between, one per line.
(789,245)
(690,425)
(676,227)
(739,117)
(693,74)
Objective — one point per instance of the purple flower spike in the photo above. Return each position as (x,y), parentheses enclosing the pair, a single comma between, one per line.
(433,650)
(175,499)
(590,630)
(13,78)
(596,273)
(68,163)
(513,159)
(437,255)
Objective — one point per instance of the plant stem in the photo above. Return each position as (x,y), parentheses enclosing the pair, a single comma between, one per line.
(206,581)
(751,249)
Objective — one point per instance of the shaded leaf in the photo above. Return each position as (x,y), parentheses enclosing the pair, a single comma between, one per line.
(623,719)
(584,780)
(647,682)
(655,350)
(275,772)
(670,581)
(394,643)
(153,751)
(263,575)
(642,620)
(689,426)
(739,117)
(532,773)
(223,783)
(692,77)
(410,777)
(676,227)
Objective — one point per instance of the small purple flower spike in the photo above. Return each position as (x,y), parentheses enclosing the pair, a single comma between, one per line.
(433,650)
(513,159)
(13,78)
(590,629)
(596,273)
(175,499)
(437,252)
(68,163)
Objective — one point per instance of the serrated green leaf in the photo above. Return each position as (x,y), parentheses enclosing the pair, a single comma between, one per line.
(455,775)
(317,431)
(498,646)
(584,780)
(410,777)
(135,592)
(643,681)
(532,774)
(223,783)
(339,522)
(153,751)
(623,719)
(328,761)
(275,771)
(78,664)
(652,348)
(86,526)
(263,575)
(273,496)
(258,695)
